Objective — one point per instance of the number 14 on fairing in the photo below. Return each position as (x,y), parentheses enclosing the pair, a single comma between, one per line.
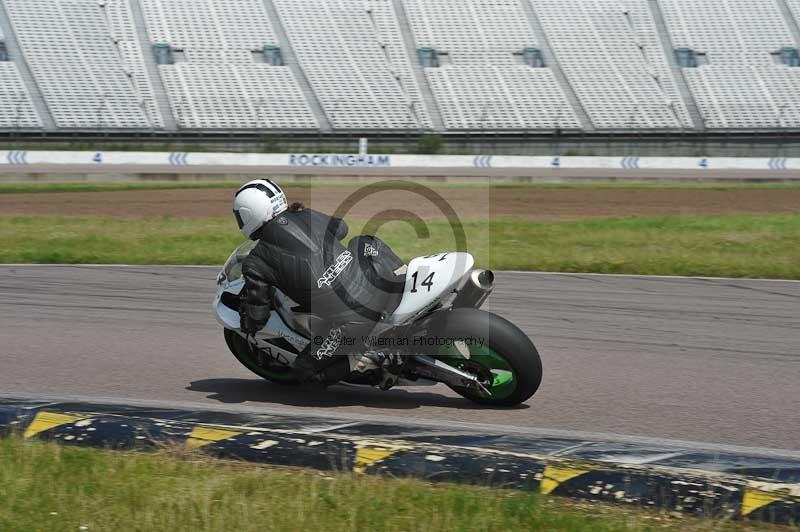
(427,282)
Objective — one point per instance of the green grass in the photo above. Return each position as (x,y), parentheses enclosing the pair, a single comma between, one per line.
(47,487)
(727,246)
(32,188)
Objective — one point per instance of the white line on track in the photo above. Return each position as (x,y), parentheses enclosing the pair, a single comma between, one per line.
(639,276)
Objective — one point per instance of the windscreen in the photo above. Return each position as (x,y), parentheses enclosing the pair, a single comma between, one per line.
(233,266)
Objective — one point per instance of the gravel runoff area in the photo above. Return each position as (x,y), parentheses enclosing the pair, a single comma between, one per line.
(517,203)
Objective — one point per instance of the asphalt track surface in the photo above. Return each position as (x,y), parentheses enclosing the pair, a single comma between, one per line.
(707,360)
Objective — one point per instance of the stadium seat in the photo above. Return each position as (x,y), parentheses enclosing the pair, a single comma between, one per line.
(393,65)
(612,56)
(741,86)
(86,62)
(16,108)
(354,57)
(222,80)
(484,83)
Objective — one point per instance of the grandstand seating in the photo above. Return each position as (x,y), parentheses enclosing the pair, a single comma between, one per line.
(208,25)
(612,57)
(353,55)
(77,65)
(16,108)
(794,7)
(470,30)
(222,84)
(741,86)
(449,65)
(123,34)
(483,85)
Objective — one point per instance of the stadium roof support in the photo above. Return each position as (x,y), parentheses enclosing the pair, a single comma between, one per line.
(677,73)
(551,61)
(152,69)
(422,80)
(790,20)
(290,60)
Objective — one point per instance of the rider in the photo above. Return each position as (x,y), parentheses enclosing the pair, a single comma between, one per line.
(300,251)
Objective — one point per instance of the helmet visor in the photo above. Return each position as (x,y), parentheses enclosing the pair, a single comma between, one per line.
(238,219)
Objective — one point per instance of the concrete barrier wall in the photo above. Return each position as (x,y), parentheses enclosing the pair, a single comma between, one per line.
(55,162)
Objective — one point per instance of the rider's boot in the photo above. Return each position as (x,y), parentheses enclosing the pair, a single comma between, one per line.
(378,360)
(387,367)
(319,361)
(325,370)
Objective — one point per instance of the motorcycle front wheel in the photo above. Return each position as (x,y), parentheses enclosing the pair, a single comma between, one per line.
(263,366)
(495,350)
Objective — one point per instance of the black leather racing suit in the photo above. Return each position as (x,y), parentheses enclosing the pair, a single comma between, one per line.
(302,254)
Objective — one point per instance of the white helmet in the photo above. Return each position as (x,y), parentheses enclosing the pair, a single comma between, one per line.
(256,203)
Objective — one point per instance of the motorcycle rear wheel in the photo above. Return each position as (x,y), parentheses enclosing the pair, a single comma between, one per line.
(273,372)
(496,350)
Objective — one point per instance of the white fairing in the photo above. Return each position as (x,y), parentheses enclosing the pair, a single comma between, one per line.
(230,280)
(274,328)
(429,279)
(227,317)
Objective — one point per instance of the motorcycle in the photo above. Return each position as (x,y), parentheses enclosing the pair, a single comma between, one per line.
(438,327)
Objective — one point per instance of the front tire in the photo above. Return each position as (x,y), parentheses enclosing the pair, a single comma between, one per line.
(493,348)
(273,372)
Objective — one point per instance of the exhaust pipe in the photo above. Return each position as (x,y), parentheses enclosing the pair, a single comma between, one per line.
(475,291)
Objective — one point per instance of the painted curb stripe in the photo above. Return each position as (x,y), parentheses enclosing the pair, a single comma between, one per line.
(755,499)
(555,475)
(202,436)
(45,421)
(367,456)
(289,442)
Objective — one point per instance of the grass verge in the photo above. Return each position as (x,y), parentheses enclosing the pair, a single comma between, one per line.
(765,246)
(44,486)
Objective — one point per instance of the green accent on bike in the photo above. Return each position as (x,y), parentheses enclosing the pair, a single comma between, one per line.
(501,379)
(504,379)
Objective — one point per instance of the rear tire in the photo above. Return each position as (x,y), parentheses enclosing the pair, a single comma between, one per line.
(274,372)
(498,350)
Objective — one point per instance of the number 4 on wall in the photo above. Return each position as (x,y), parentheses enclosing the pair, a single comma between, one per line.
(428,282)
